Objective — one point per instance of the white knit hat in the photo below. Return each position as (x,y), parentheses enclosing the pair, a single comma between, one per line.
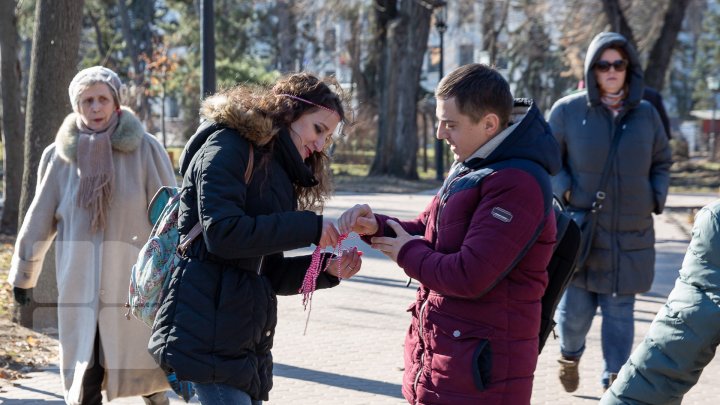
(89,76)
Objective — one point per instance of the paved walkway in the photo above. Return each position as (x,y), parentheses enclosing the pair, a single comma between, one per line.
(352,351)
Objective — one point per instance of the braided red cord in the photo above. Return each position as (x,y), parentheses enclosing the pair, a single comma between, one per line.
(311,275)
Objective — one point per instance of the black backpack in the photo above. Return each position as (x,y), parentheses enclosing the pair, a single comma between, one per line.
(560,268)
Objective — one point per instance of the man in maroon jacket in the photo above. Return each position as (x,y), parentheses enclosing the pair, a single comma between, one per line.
(479,250)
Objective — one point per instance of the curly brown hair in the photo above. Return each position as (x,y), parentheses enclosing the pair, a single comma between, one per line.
(285,110)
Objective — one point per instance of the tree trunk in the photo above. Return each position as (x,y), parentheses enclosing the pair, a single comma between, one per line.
(12,118)
(53,64)
(662,50)
(142,105)
(287,32)
(398,88)
(618,22)
(493,23)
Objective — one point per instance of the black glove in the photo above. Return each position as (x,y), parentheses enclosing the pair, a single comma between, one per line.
(22,296)
(184,389)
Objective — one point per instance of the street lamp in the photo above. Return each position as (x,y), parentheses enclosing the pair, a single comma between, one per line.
(441,27)
(207,47)
(713,84)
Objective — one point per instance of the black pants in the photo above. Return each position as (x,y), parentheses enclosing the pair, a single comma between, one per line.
(94,376)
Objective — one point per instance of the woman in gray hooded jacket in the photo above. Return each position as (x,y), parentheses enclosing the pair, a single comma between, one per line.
(622,256)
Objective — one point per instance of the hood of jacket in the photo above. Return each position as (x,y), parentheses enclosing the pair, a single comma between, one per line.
(530,139)
(634,76)
(218,112)
(126,138)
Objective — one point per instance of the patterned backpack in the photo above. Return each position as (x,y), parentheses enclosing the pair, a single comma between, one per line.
(162,253)
(158,257)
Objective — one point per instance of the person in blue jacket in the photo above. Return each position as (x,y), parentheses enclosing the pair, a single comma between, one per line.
(621,260)
(685,333)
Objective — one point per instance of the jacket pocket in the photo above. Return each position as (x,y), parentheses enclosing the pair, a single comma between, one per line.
(460,355)
(482,364)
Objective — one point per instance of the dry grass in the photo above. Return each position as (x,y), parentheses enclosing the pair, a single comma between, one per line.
(695,176)
(382,184)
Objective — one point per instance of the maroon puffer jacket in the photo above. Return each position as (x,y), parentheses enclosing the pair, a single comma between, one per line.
(474,332)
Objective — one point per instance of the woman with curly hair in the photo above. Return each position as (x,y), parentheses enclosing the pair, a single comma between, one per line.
(217,324)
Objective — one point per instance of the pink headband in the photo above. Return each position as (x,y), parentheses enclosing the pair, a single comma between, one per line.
(309,102)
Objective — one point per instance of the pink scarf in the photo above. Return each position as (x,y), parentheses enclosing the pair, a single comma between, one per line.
(614,101)
(97,175)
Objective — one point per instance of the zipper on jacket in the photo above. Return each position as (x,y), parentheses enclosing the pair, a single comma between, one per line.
(613,218)
(421,341)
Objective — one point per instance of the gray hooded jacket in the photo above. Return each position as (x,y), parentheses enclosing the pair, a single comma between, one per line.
(622,259)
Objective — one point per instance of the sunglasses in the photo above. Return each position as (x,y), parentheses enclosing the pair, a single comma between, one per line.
(604,66)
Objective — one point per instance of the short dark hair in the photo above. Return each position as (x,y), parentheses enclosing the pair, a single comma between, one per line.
(478,90)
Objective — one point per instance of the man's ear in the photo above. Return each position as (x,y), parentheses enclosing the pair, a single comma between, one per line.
(491,124)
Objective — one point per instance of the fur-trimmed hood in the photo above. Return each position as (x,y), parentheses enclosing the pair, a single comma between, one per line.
(126,138)
(230,110)
(236,112)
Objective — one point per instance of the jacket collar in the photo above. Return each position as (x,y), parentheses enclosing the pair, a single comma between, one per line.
(127,136)
(485,150)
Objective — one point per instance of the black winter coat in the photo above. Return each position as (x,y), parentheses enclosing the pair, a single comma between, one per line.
(217,323)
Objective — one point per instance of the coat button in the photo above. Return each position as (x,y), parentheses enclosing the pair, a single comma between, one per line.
(268,333)
(456,333)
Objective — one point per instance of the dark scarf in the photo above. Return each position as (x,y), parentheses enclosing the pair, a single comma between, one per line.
(290,159)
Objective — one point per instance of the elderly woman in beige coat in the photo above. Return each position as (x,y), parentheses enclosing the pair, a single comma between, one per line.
(94,184)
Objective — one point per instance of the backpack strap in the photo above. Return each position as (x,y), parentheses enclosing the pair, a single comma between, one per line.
(543,181)
(196,230)
(477,174)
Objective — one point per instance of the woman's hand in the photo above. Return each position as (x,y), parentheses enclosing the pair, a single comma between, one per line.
(359,219)
(329,235)
(346,265)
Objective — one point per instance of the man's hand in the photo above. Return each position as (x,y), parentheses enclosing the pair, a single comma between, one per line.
(391,246)
(22,296)
(329,235)
(359,219)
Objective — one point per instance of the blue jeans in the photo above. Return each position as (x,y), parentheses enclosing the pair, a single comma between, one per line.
(222,394)
(574,316)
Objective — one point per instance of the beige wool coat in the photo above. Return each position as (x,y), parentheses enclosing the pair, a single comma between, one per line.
(93,269)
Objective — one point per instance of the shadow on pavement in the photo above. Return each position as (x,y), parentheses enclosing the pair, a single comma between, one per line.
(22,387)
(380,281)
(337,380)
(587,397)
